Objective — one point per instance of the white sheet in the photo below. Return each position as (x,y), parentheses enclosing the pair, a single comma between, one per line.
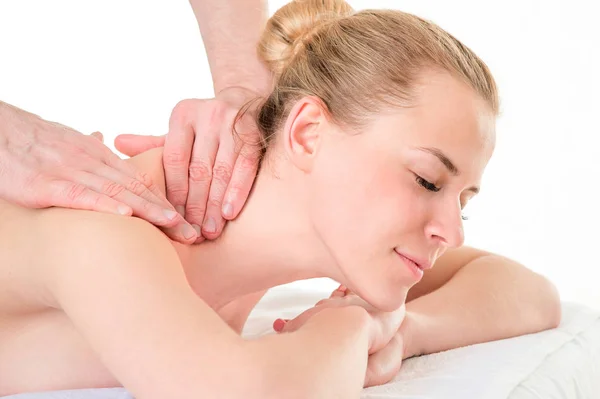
(563,363)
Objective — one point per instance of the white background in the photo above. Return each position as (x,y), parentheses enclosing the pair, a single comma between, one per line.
(119,66)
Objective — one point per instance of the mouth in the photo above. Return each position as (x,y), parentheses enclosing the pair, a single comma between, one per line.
(417,266)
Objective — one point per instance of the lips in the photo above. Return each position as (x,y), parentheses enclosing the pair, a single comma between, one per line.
(420,263)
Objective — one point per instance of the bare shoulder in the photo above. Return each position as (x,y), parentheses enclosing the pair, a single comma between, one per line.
(78,241)
(35,243)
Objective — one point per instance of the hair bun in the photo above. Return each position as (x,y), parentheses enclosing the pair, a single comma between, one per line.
(293,22)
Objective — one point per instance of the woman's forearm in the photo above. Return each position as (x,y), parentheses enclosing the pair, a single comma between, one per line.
(230,31)
(488,299)
(326,358)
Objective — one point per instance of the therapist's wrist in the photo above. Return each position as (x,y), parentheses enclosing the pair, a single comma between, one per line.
(258,80)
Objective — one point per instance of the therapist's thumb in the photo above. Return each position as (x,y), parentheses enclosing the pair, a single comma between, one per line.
(134,144)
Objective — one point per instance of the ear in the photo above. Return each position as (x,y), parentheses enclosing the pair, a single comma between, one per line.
(303,130)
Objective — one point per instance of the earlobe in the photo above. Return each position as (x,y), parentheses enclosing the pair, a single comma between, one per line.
(302,132)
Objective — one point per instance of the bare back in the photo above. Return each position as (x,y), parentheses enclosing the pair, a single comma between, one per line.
(40,347)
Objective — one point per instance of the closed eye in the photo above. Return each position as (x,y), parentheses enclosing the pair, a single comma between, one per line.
(433,188)
(427,185)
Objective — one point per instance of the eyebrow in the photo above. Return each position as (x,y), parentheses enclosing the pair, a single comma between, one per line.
(447,163)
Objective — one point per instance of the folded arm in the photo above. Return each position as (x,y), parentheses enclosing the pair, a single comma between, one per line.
(470,297)
(121,283)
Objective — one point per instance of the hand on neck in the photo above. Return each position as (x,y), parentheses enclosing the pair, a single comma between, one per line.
(270,243)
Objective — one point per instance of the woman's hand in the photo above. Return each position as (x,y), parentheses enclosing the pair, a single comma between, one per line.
(209,169)
(386,343)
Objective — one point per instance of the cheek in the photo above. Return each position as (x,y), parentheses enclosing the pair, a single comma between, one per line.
(351,198)
(361,209)
(359,205)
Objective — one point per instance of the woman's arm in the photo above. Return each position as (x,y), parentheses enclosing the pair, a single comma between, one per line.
(120,282)
(471,297)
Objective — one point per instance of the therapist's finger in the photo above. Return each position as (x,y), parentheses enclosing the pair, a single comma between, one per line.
(98,135)
(200,177)
(214,222)
(240,184)
(177,154)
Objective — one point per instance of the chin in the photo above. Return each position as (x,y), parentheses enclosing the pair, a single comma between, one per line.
(386,296)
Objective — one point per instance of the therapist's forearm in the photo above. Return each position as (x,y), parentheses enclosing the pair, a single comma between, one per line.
(230,31)
(488,299)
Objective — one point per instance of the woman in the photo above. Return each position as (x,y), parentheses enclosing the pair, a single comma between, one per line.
(377,133)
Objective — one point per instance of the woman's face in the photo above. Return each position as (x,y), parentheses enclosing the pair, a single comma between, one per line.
(399,186)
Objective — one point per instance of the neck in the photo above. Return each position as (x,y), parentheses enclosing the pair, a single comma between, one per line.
(270,243)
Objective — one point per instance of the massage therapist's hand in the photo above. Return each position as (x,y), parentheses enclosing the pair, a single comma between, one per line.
(45,164)
(386,344)
(209,169)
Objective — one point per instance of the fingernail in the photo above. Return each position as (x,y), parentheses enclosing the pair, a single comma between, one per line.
(180,210)
(170,214)
(123,209)
(197,228)
(188,232)
(228,210)
(278,325)
(210,226)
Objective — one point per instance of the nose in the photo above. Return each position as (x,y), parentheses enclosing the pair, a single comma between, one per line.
(446,226)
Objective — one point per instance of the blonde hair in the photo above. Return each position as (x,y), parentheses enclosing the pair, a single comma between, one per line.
(357,63)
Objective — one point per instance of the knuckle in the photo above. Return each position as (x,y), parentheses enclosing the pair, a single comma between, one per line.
(75,191)
(195,212)
(135,186)
(144,178)
(222,172)
(214,113)
(200,172)
(249,159)
(176,194)
(112,189)
(179,113)
(174,158)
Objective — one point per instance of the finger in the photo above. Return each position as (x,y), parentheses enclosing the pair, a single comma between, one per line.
(322,301)
(200,177)
(134,144)
(98,136)
(148,189)
(240,184)
(180,230)
(118,185)
(339,291)
(146,210)
(68,194)
(302,318)
(279,324)
(385,364)
(176,158)
(297,322)
(214,222)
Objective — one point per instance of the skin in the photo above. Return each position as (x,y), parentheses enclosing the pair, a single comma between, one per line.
(46,164)
(208,173)
(327,203)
